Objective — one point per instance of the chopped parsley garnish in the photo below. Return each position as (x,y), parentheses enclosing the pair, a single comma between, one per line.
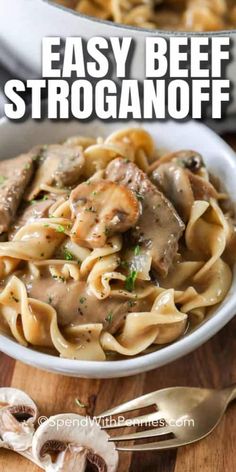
(137,250)
(36,157)
(68,256)
(50,299)
(60,229)
(139,196)
(79,403)
(107,231)
(43,199)
(59,277)
(46,226)
(131,303)
(2,179)
(14,298)
(130,280)
(124,264)
(27,166)
(109,317)
(82,300)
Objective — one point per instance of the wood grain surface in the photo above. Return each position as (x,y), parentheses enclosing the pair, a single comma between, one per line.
(212,365)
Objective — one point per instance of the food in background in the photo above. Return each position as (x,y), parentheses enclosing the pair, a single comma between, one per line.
(174,15)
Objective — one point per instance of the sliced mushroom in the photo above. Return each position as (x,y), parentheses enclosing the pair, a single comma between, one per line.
(191,160)
(180,183)
(102,208)
(173,181)
(73,443)
(18,414)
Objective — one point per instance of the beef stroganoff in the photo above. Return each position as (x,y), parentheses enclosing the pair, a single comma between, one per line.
(107,246)
(174,15)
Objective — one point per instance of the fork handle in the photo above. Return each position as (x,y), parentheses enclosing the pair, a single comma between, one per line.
(230,392)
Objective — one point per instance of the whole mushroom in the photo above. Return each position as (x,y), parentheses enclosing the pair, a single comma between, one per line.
(73,443)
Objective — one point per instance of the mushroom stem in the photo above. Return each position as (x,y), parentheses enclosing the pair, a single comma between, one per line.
(69,442)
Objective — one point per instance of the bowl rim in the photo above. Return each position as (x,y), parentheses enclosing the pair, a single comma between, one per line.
(136,29)
(142,362)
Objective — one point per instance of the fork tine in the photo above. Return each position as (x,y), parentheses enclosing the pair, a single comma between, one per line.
(138,421)
(143,434)
(156,446)
(143,401)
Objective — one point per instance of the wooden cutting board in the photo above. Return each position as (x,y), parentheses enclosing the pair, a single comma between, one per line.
(212,365)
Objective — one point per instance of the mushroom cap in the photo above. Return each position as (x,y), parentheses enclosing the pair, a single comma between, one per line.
(77,430)
(18,414)
(14,396)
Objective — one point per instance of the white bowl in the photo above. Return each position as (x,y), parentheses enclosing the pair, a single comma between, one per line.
(15,138)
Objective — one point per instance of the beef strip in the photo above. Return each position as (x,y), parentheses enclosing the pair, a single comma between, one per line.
(182,186)
(15,175)
(75,304)
(60,165)
(38,209)
(101,208)
(159,227)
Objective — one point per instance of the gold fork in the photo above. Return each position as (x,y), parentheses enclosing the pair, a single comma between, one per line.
(183,415)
